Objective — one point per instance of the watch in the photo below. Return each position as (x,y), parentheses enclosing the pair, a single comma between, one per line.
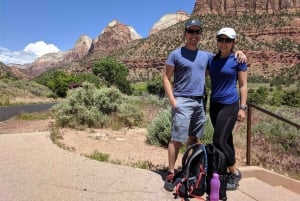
(243,107)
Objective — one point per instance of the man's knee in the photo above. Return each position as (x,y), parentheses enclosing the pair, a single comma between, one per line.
(176,144)
(192,140)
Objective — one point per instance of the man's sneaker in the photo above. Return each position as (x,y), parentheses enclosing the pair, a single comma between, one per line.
(233,180)
(169,184)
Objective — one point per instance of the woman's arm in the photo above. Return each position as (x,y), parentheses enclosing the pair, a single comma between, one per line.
(243,89)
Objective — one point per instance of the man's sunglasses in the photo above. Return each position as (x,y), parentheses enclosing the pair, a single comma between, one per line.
(191,31)
(224,40)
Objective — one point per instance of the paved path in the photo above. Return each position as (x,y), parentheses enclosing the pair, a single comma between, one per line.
(32,168)
(11,111)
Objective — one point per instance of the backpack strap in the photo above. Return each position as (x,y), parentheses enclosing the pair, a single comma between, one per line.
(196,149)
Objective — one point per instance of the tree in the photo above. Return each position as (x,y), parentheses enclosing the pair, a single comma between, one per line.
(59,83)
(156,87)
(113,73)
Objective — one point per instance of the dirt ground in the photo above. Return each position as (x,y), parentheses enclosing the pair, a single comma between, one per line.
(125,146)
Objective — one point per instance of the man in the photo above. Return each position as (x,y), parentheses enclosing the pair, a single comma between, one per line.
(187,65)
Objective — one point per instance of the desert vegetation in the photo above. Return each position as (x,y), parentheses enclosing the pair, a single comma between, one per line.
(275,145)
(107,98)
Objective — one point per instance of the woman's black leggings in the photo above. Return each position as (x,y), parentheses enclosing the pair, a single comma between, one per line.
(223,118)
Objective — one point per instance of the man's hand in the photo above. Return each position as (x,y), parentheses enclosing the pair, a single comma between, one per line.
(240,56)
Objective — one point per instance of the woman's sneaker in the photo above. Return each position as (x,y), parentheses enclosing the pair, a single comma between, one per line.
(233,180)
(169,183)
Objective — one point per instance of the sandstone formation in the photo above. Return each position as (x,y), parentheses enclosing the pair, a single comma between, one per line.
(146,57)
(114,36)
(203,7)
(169,20)
(287,32)
(53,60)
(81,49)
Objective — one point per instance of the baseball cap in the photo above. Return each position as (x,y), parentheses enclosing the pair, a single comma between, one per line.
(229,32)
(192,22)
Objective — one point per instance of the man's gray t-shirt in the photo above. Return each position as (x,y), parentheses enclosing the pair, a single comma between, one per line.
(189,71)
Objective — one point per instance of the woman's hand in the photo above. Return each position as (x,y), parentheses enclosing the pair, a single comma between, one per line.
(241,115)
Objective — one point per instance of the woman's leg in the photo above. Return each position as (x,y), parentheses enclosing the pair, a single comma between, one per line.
(224,118)
(224,123)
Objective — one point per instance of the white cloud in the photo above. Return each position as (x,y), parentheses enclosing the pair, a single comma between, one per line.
(39,48)
(28,55)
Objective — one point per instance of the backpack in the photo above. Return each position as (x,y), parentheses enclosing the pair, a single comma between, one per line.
(190,181)
(216,163)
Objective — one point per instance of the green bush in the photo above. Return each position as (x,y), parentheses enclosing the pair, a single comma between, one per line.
(281,135)
(277,98)
(155,86)
(208,131)
(113,73)
(159,130)
(92,107)
(139,88)
(292,98)
(56,80)
(129,112)
(107,100)
(258,97)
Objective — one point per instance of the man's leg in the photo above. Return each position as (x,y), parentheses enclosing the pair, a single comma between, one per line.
(191,140)
(173,150)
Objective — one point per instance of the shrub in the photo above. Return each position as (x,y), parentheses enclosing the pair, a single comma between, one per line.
(292,98)
(155,86)
(277,98)
(113,73)
(107,100)
(129,113)
(139,88)
(57,81)
(99,156)
(92,107)
(208,131)
(159,129)
(258,97)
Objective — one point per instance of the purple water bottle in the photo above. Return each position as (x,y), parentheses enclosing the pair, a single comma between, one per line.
(214,187)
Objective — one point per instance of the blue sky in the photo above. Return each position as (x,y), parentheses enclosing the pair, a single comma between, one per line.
(33,27)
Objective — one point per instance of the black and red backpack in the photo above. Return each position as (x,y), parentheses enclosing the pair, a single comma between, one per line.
(190,181)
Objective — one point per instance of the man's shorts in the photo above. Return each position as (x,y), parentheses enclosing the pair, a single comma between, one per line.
(188,119)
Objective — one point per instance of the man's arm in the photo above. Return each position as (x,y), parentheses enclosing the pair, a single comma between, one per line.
(168,72)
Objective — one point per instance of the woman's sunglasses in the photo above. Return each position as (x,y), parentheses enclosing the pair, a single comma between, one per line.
(191,31)
(224,40)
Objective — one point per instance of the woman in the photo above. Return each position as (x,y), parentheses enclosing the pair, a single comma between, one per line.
(226,104)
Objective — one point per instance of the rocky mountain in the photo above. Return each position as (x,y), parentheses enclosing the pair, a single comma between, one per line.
(53,60)
(112,38)
(169,20)
(203,7)
(270,40)
(11,72)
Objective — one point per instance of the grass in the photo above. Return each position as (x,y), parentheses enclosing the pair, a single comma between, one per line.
(105,158)
(36,115)
(99,156)
(55,136)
